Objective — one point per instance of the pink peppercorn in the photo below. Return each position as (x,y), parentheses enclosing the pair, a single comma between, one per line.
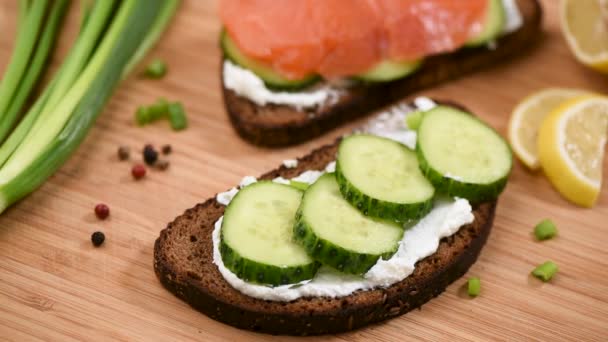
(102,211)
(138,171)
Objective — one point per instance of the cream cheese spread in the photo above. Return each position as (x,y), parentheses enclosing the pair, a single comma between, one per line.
(420,239)
(247,84)
(418,242)
(391,124)
(290,163)
(513,16)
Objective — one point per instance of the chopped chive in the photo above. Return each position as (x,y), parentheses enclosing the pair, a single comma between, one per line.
(545,271)
(474,287)
(142,116)
(156,69)
(545,230)
(158,110)
(414,119)
(299,185)
(177,116)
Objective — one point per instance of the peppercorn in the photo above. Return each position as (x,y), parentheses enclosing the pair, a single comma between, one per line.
(98,238)
(162,164)
(138,171)
(102,211)
(150,155)
(167,149)
(123,153)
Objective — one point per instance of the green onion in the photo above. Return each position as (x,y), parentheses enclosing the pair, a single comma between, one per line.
(474,287)
(43,151)
(177,116)
(156,69)
(70,86)
(160,24)
(32,22)
(545,271)
(299,185)
(24,127)
(35,68)
(414,119)
(23,7)
(545,230)
(85,11)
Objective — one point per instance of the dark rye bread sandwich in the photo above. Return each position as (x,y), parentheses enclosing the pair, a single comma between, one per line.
(183,261)
(281,125)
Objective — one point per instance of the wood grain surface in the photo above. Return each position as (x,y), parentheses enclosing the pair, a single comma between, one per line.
(54,285)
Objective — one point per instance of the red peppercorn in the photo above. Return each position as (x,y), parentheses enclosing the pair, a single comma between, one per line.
(138,171)
(102,211)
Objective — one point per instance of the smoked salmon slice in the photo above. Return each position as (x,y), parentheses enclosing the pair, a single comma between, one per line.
(337,38)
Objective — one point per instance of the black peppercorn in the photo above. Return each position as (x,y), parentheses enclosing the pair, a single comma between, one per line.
(98,238)
(150,155)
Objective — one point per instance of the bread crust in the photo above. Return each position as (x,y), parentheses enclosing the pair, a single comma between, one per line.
(279,125)
(183,261)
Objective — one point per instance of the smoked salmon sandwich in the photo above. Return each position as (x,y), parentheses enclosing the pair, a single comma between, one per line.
(295,69)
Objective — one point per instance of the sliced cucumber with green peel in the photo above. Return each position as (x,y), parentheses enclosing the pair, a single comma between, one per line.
(271,78)
(462,156)
(387,70)
(493,26)
(336,234)
(299,185)
(414,119)
(382,179)
(256,236)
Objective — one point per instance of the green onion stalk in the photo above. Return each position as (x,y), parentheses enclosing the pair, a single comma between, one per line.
(160,24)
(31,22)
(36,66)
(23,6)
(65,120)
(75,62)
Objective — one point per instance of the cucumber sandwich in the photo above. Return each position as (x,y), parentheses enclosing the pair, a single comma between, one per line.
(295,77)
(355,232)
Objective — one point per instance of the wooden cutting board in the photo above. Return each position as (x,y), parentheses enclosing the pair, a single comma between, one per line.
(55,286)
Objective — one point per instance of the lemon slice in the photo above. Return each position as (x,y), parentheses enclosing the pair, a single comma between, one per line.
(527,117)
(585,26)
(571,144)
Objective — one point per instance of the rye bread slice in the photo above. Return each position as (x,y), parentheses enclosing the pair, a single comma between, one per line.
(183,261)
(279,125)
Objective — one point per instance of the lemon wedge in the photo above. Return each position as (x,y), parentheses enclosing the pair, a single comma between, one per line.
(585,26)
(571,144)
(527,118)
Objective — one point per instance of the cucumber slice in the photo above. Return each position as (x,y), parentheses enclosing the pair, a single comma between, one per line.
(414,119)
(494,23)
(382,179)
(338,235)
(271,78)
(256,236)
(462,156)
(386,71)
